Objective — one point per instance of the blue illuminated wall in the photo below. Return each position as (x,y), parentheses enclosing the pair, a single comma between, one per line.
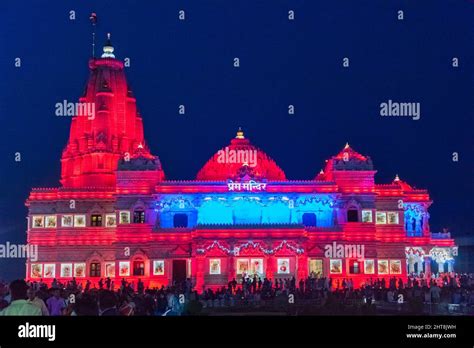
(244,208)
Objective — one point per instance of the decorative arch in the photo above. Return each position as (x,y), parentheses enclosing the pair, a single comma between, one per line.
(96,209)
(95,256)
(353,210)
(352,204)
(140,259)
(95,259)
(139,253)
(414,254)
(139,204)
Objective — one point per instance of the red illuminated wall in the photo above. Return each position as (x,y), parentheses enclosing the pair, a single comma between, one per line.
(95,144)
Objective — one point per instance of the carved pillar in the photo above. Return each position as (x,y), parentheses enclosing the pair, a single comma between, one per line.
(440,267)
(270,271)
(409,228)
(418,227)
(411,266)
(302,262)
(198,272)
(231,266)
(293,216)
(334,217)
(341,215)
(426,226)
(450,265)
(420,265)
(427,266)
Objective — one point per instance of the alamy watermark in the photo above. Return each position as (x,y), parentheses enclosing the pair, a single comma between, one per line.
(75,109)
(336,250)
(391,108)
(37,331)
(20,251)
(245,157)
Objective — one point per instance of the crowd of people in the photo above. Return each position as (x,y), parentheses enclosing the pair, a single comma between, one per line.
(74,298)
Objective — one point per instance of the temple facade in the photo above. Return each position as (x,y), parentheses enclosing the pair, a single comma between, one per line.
(116,215)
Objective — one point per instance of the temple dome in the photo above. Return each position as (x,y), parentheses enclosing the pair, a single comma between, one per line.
(240,159)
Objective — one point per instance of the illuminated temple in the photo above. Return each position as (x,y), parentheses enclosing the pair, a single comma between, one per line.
(116,214)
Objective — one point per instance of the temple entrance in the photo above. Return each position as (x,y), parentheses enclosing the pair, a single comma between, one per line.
(179,271)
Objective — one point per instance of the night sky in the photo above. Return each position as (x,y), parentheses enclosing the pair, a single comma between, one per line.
(282,62)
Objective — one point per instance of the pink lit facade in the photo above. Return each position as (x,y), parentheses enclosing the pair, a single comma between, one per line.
(116,215)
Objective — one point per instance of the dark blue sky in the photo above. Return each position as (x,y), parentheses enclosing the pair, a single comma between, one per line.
(282,63)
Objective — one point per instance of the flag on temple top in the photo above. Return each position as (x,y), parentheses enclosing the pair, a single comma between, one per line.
(93,18)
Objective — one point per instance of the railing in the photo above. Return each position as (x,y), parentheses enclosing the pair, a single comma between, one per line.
(172,229)
(441,235)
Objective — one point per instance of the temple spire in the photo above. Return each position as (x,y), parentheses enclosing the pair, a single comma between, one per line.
(108,48)
(97,144)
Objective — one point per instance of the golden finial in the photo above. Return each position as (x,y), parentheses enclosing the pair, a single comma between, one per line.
(108,48)
(346,146)
(240,134)
(396,178)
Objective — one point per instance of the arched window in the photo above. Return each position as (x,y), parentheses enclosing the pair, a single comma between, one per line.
(138,268)
(96,220)
(354,267)
(309,219)
(180,220)
(352,215)
(139,216)
(94,269)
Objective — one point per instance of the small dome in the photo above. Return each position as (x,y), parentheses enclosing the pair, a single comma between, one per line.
(348,159)
(240,159)
(140,160)
(139,164)
(321,176)
(403,185)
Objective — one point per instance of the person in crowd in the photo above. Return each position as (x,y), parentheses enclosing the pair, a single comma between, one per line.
(86,305)
(140,286)
(107,303)
(56,304)
(19,304)
(254,292)
(390,295)
(435,293)
(35,300)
